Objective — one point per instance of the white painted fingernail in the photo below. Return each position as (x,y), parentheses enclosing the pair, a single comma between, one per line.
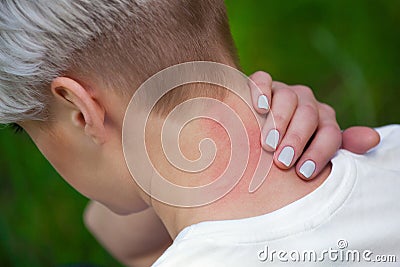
(272,139)
(307,169)
(286,156)
(263,102)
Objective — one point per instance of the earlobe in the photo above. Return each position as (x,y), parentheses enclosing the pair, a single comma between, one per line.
(85,111)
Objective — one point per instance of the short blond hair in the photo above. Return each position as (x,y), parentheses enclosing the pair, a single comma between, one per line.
(118,43)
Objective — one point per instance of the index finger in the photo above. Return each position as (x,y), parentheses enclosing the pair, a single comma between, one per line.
(261,87)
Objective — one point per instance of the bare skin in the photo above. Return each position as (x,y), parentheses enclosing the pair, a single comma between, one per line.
(280,188)
(86,125)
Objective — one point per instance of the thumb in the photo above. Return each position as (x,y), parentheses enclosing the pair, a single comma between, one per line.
(360,139)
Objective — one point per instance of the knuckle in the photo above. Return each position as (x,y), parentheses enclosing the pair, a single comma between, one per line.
(333,132)
(310,111)
(295,139)
(333,127)
(312,117)
(288,95)
(328,109)
(303,89)
(278,85)
(318,155)
(279,120)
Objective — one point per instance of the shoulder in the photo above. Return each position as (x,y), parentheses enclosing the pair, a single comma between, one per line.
(389,146)
(189,252)
(182,251)
(389,134)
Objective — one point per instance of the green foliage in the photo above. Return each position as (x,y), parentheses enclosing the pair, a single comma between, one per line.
(347,51)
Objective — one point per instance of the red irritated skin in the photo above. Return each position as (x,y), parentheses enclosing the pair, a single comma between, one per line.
(280,187)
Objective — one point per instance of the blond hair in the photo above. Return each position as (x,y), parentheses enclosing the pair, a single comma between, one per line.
(118,43)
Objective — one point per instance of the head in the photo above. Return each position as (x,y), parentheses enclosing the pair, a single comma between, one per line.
(68,69)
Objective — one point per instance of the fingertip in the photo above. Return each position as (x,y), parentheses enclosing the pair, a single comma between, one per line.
(285,157)
(371,135)
(307,170)
(279,164)
(270,140)
(261,77)
(267,147)
(360,139)
(261,87)
(260,100)
(263,104)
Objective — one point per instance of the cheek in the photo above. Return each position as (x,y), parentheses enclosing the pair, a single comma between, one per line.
(66,159)
(97,172)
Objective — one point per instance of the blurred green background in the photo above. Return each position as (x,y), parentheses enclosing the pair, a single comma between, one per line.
(347,51)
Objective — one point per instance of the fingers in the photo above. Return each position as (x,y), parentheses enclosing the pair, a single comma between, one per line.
(283,107)
(360,139)
(261,87)
(324,145)
(297,117)
(300,130)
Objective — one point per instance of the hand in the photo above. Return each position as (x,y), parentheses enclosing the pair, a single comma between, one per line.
(301,130)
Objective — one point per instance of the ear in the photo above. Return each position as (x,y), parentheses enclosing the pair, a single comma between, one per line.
(85,111)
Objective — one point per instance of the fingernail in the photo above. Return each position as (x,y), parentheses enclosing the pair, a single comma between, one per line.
(286,156)
(263,102)
(272,139)
(307,169)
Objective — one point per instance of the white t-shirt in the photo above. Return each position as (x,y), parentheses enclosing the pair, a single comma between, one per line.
(353,218)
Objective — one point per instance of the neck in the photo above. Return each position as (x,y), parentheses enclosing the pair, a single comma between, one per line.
(279,189)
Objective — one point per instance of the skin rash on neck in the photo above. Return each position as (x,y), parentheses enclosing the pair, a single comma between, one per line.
(280,188)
